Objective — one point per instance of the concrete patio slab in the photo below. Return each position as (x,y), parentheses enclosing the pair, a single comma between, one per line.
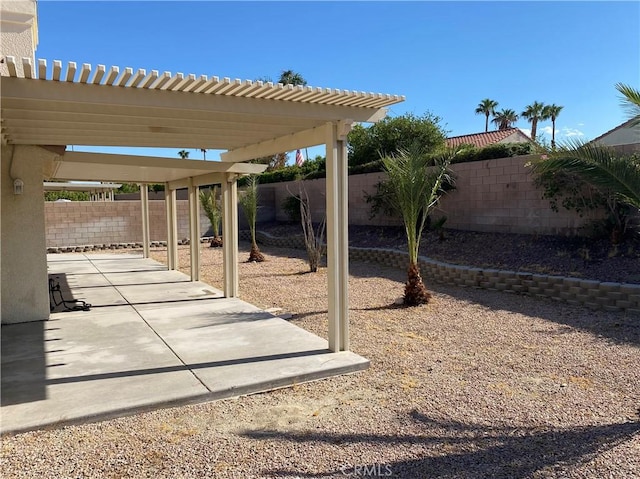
(151,277)
(156,340)
(163,293)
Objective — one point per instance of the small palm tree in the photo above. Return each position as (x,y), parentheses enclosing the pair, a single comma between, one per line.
(551,112)
(486,107)
(533,113)
(504,119)
(184,154)
(249,204)
(211,206)
(414,191)
(630,101)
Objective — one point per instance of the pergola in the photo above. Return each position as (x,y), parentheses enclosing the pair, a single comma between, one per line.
(56,106)
(97,191)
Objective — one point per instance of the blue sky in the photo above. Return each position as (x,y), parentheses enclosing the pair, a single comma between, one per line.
(445,57)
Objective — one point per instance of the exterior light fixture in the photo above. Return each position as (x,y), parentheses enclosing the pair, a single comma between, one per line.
(18,186)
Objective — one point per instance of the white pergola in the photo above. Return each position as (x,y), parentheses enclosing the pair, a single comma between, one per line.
(58,106)
(97,191)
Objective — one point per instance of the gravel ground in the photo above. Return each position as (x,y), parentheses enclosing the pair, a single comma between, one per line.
(476,384)
(580,257)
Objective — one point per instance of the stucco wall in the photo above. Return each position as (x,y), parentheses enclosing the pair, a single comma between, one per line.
(626,137)
(24,286)
(18,30)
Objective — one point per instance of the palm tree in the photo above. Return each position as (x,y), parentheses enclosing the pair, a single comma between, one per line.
(599,166)
(414,191)
(289,77)
(533,113)
(184,154)
(249,204)
(616,176)
(630,101)
(551,112)
(211,207)
(486,107)
(504,119)
(204,153)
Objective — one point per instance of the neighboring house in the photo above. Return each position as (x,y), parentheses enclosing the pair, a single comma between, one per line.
(480,140)
(623,138)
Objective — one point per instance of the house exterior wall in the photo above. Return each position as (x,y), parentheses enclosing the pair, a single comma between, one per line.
(626,140)
(516,137)
(18,30)
(23,263)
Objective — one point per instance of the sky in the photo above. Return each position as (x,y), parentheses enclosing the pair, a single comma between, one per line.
(444,57)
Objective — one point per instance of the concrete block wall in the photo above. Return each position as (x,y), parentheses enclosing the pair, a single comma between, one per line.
(589,293)
(111,222)
(500,196)
(490,196)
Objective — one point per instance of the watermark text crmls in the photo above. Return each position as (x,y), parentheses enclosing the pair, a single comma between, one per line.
(367,470)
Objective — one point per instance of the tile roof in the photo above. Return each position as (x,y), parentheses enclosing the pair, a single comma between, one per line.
(483,139)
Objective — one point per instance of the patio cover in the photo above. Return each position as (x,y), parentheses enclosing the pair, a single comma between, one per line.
(56,106)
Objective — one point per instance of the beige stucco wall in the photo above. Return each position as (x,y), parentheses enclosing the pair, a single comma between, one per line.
(18,30)
(623,136)
(24,291)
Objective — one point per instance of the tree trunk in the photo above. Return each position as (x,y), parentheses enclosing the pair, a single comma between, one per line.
(415,292)
(255,254)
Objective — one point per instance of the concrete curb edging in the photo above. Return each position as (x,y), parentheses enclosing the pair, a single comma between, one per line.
(593,294)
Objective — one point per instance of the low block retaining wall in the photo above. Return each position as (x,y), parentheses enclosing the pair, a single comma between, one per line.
(590,293)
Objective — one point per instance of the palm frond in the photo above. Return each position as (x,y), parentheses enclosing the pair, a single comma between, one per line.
(630,102)
(599,166)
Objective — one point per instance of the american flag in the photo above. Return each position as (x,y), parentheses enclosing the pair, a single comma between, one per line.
(299,158)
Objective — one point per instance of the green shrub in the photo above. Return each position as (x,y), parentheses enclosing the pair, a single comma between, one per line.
(291,206)
(66,195)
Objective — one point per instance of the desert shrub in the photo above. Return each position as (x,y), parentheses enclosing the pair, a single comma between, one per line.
(291,206)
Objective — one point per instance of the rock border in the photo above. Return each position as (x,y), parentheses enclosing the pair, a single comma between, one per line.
(593,294)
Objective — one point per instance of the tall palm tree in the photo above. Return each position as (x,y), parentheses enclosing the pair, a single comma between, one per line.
(289,77)
(551,112)
(630,101)
(486,107)
(204,153)
(533,113)
(184,154)
(249,204)
(504,119)
(414,191)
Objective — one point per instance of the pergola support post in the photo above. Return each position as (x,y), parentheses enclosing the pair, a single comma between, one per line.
(172,227)
(144,206)
(230,234)
(337,235)
(194,230)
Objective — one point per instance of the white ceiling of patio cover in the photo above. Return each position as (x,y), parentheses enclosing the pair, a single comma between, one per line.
(52,105)
(75,165)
